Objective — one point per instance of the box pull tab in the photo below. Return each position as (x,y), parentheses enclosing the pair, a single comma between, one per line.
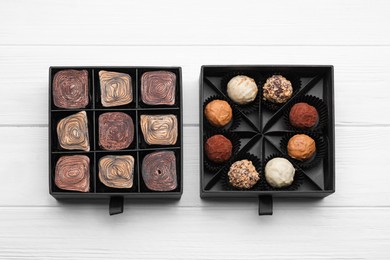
(265,205)
(116,205)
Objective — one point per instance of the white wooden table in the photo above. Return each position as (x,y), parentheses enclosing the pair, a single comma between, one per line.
(353,223)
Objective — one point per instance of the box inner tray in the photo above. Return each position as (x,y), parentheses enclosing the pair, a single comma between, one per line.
(138,148)
(261,131)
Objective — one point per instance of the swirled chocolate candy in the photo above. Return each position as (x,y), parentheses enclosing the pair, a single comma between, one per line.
(72,132)
(116,131)
(70,89)
(117,171)
(115,88)
(72,173)
(158,88)
(159,129)
(159,171)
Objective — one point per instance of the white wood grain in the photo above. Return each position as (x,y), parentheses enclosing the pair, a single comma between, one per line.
(118,22)
(361,160)
(190,233)
(360,75)
(352,35)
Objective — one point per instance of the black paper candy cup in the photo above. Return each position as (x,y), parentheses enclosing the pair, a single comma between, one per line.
(246,108)
(236,119)
(319,105)
(319,154)
(295,83)
(255,161)
(298,177)
(236,143)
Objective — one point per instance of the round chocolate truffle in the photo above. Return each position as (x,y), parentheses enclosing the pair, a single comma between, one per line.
(243,174)
(279,172)
(303,116)
(301,147)
(218,148)
(277,89)
(218,113)
(242,89)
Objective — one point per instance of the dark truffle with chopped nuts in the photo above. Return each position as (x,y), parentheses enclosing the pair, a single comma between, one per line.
(277,89)
(243,175)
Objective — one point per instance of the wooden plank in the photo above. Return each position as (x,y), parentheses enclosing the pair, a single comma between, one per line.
(361,157)
(361,75)
(194,233)
(116,22)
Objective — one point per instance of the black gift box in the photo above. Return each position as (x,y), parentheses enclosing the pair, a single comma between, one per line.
(138,149)
(262,131)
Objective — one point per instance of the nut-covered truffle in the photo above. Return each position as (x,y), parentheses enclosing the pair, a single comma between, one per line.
(242,89)
(277,89)
(303,116)
(218,148)
(243,174)
(218,113)
(301,147)
(279,172)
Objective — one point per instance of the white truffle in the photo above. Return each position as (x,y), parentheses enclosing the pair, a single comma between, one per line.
(279,172)
(242,89)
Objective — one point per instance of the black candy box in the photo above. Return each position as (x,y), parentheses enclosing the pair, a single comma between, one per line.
(263,130)
(138,149)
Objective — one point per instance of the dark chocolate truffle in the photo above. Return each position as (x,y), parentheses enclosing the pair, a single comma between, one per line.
(279,172)
(301,147)
(117,171)
(218,113)
(159,129)
(277,89)
(116,131)
(159,171)
(115,88)
(303,116)
(72,173)
(72,132)
(218,148)
(158,88)
(243,174)
(70,89)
